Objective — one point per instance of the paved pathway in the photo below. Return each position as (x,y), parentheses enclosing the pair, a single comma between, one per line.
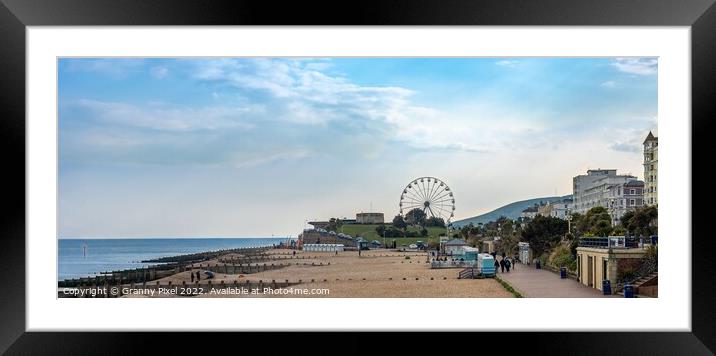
(540,283)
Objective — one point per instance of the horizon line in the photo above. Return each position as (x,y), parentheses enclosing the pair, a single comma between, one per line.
(168,237)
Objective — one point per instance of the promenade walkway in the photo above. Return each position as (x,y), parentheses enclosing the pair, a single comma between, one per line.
(540,283)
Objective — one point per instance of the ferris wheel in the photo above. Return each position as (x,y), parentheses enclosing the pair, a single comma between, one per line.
(431,195)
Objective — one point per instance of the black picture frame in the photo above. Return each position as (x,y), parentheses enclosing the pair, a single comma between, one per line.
(16,15)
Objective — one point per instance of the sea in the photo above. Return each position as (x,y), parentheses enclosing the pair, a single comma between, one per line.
(89,257)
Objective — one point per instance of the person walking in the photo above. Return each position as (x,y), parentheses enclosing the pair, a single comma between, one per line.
(497,266)
(192,276)
(508,264)
(502,265)
(198,276)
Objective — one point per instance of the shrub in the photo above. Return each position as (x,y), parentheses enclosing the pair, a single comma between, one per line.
(562,257)
(619,231)
(572,266)
(626,274)
(652,253)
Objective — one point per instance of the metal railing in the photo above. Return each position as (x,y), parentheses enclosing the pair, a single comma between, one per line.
(648,267)
(452,264)
(609,242)
(468,273)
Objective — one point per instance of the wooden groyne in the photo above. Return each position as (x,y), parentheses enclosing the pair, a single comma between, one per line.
(263,258)
(256,267)
(137,275)
(169,266)
(209,255)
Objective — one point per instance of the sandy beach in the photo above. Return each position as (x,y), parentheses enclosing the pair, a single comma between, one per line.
(373,274)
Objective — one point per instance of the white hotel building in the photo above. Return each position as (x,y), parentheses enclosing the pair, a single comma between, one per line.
(603,187)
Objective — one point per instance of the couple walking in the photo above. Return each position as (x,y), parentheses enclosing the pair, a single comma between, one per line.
(503,264)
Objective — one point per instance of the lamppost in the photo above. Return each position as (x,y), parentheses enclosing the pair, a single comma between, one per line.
(447,238)
(612,209)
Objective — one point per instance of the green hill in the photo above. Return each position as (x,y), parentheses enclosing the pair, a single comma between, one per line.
(512,211)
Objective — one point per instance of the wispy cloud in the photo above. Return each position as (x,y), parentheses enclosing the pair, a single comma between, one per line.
(638,66)
(117,68)
(266,95)
(625,147)
(630,140)
(167,118)
(507,63)
(159,72)
(300,93)
(609,84)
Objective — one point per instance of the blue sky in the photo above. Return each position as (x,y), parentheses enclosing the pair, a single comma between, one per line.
(255,146)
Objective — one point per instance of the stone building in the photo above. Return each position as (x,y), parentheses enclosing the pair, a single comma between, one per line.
(592,189)
(624,197)
(556,209)
(530,212)
(600,259)
(370,218)
(651,159)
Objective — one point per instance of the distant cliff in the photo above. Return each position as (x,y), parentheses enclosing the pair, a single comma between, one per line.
(512,211)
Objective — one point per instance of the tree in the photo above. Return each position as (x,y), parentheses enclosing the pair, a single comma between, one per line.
(435,221)
(599,221)
(579,224)
(380,230)
(334,224)
(596,222)
(388,231)
(543,232)
(416,217)
(641,222)
(399,222)
(626,221)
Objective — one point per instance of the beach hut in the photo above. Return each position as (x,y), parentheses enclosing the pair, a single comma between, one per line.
(470,253)
(323,247)
(486,264)
(362,244)
(525,254)
(455,246)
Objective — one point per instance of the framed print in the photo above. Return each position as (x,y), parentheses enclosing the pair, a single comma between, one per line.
(439,169)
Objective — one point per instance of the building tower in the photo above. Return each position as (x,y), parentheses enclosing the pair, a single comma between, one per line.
(651,158)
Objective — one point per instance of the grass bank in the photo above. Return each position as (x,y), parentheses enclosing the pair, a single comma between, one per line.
(367,231)
(508,287)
